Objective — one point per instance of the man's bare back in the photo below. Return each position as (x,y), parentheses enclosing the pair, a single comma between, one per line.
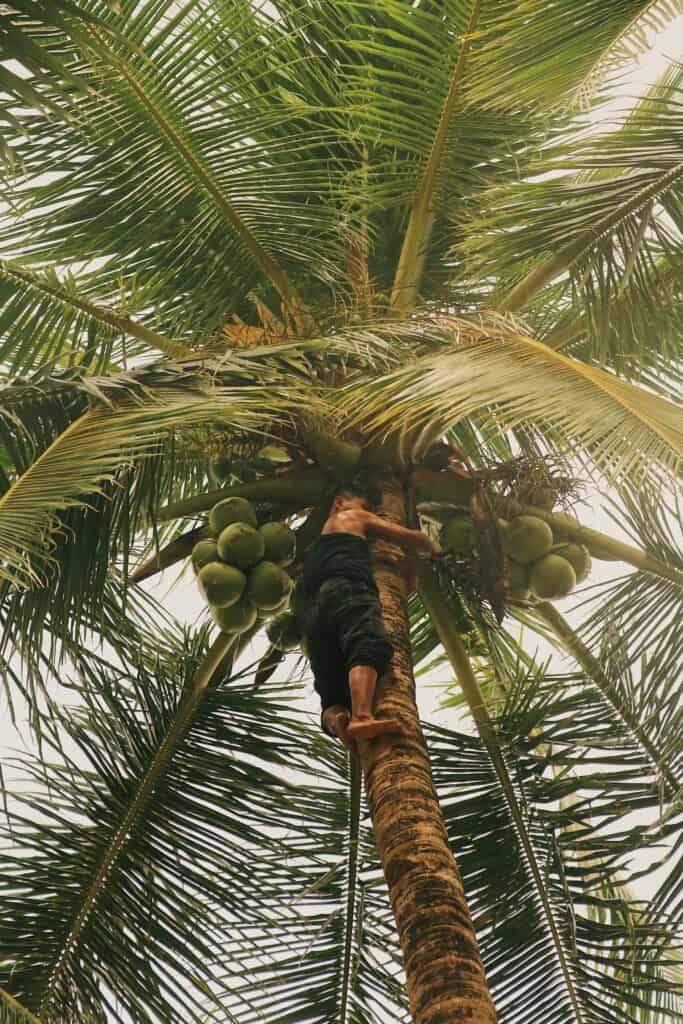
(348,515)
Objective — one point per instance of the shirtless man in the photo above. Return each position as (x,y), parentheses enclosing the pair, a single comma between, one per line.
(344,634)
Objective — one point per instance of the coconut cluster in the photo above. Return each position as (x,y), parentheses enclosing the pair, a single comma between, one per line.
(241,567)
(539,563)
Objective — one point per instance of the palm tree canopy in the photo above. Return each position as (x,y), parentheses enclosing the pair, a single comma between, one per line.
(401,222)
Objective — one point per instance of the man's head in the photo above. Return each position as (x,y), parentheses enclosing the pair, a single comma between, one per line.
(349,497)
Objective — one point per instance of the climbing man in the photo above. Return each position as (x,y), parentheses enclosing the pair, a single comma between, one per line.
(343,629)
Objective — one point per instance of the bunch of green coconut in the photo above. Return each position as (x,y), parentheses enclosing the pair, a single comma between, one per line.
(539,564)
(241,570)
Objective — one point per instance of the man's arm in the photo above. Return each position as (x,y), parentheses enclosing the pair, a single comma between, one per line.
(409,540)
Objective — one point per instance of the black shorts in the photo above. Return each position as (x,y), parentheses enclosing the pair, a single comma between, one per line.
(343,628)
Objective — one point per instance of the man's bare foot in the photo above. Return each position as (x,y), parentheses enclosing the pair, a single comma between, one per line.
(368,728)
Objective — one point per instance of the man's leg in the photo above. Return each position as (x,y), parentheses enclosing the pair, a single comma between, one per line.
(363,724)
(367,652)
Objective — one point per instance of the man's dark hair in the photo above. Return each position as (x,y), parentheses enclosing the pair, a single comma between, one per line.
(352,491)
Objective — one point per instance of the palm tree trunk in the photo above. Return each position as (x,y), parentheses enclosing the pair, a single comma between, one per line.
(444,971)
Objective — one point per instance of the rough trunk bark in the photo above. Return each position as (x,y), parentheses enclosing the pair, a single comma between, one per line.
(444,971)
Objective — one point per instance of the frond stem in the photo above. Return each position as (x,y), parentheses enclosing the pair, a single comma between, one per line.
(351,883)
(187,711)
(122,323)
(446,628)
(16,1006)
(591,666)
(414,249)
(296,489)
(547,270)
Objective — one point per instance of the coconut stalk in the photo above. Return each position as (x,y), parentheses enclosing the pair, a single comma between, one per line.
(601,545)
(444,972)
(297,489)
(575,647)
(446,628)
(169,555)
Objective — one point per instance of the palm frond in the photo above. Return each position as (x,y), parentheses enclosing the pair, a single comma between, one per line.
(663,753)
(611,230)
(93,447)
(446,629)
(527,46)
(632,626)
(225,169)
(518,954)
(229,871)
(48,322)
(155,890)
(501,378)
(573,732)
(422,216)
(12,1012)
(624,343)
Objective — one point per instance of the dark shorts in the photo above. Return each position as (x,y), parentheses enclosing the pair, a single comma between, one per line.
(343,628)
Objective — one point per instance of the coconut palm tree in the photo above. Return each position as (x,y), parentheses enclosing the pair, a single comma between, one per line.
(255,249)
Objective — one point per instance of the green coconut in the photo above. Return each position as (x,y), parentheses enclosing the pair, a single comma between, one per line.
(203,552)
(283,606)
(236,618)
(241,545)
(272,456)
(457,534)
(552,577)
(338,458)
(268,584)
(284,631)
(527,539)
(222,585)
(578,557)
(518,580)
(231,510)
(279,542)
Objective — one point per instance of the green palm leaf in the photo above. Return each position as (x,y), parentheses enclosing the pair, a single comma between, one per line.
(503,378)
(193,189)
(617,223)
(92,447)
(528,43)
(12,1012)
(116,876)
(46,321)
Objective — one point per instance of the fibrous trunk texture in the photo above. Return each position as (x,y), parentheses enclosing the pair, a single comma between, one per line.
(444,972)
